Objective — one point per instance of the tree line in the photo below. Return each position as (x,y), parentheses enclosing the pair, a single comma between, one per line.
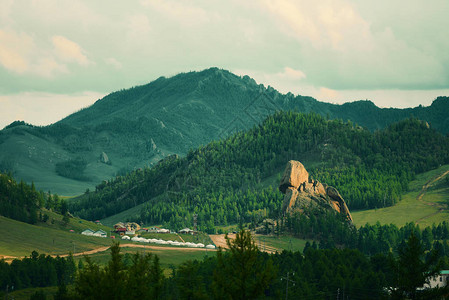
(22,202)
(38,270)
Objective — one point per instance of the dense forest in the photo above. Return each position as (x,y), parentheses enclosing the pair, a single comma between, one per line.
(234,179)
(21,202)
(38,270)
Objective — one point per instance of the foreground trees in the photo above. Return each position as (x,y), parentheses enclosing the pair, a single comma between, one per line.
(413,272)
(242,273)
(142,280)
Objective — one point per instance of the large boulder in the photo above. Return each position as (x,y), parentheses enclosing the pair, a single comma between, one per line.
(294,175)
(302,193)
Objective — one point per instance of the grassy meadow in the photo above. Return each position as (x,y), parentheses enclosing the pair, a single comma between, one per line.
(283,242)
(430,208)
(20,239)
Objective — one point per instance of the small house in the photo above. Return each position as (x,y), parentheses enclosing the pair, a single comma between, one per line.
(153,229)
(439,280)
(121,230)
(88,232)
(100,233)
(186,231)
(119,225)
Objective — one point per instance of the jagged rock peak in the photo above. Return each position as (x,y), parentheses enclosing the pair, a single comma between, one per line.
(302,192)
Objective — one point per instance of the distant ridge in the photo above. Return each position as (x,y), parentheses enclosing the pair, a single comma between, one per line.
(141,125)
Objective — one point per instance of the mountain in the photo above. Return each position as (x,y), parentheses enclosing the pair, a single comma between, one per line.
(236,179)
(137,127)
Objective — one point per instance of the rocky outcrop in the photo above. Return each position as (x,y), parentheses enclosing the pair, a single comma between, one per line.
(303,193)
(294,175)
(104,158)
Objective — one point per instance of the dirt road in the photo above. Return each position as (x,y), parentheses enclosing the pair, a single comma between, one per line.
(441,207)
(220,241)
(9,259)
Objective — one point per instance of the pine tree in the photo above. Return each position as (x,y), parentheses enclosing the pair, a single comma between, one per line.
(411,271)
(243,273)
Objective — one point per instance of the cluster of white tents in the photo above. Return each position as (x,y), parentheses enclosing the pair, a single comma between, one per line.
(162,242)
(99,233)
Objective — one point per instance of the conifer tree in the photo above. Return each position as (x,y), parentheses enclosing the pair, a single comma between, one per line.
(242,273)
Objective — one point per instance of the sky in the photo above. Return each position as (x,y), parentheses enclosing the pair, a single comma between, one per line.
(58,56)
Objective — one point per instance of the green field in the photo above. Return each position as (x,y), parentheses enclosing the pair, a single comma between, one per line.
(283,242)
(20,239)
(172,257)
(128,214)
(25,294)
(431,208)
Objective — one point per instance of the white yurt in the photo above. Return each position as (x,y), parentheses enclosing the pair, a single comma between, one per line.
(125,237)
(210,247)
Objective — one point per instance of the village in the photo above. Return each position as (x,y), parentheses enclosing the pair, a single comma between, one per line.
(131,231)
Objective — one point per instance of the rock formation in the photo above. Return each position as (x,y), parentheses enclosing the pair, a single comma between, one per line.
(104,158)
(302,192)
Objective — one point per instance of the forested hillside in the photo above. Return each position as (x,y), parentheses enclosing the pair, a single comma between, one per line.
(137,127)
(21,202)
(236,179)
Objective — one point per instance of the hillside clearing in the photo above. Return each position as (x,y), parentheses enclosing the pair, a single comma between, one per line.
(424,204)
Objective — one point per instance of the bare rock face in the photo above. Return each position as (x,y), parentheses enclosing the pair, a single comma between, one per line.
(104,158)
(294,175)
(301,192)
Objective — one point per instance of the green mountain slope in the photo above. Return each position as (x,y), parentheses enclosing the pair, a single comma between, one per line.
(235,179)
(137,127)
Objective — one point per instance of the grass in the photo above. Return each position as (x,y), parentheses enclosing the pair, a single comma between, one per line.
(410,209)
(283,242)
(25,294)
(20,239)
(197,238)
(168,258)
(128,214)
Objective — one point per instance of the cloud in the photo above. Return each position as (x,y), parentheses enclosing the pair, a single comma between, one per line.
(289,44)
(292,74)
(327,95)
(185,14)
(14,49)
(20,54)
(69,51)
(323,24)
(139,26)
(113,62)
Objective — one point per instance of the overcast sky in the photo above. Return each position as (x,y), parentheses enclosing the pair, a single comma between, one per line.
(57,56)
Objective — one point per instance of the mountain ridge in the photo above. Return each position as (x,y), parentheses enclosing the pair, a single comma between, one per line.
(139,126)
